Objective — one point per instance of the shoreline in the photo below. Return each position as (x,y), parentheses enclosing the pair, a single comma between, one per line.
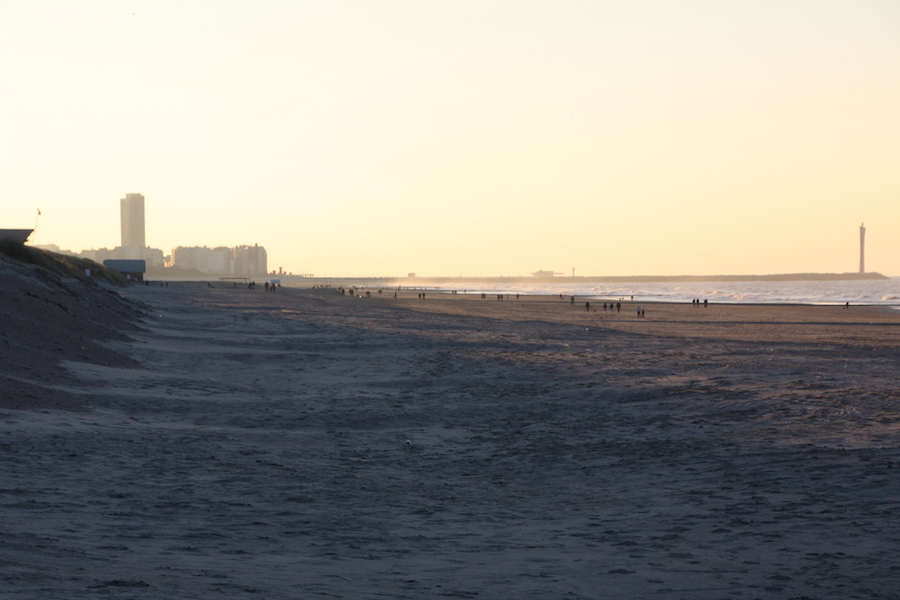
(532,296)
(309,280)
(595,299)
(872,292)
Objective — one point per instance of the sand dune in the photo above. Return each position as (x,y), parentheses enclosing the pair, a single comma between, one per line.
(46,318)
(306,444)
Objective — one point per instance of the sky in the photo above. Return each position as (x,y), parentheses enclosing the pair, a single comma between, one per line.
(463,137)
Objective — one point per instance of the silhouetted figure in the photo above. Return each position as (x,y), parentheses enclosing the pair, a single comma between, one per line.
(587,306)
(619,306)
(705,303)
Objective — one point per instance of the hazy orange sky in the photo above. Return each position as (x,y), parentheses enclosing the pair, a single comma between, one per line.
(462,137)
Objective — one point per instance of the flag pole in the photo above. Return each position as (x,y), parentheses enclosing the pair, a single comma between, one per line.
(34,231)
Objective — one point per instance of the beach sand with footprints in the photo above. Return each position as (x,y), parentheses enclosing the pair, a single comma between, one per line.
(306,444)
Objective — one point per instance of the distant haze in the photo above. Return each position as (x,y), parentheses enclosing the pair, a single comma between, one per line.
(482,138)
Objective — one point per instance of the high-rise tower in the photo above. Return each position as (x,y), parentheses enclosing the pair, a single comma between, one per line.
(862,248)
(133,220)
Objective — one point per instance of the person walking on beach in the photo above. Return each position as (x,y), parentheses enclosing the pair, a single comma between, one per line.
(705,303)
(587,306)
(619,306)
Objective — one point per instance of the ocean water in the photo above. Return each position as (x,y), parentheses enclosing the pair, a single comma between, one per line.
(884,292)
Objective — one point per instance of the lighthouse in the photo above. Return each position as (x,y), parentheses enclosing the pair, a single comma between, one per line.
(862,248)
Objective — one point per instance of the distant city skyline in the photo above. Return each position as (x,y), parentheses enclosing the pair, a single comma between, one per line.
(473,138)
(242,260)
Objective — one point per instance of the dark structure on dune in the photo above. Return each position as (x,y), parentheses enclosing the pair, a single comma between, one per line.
(19,236)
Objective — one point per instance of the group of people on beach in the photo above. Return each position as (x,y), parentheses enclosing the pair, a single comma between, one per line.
(612,307)
(270,287)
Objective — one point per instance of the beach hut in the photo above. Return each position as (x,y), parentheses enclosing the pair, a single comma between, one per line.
(133,270)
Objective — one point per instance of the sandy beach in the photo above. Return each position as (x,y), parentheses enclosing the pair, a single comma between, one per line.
(305,444)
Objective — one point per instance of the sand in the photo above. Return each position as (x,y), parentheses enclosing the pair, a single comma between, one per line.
(46,318)
(304,444)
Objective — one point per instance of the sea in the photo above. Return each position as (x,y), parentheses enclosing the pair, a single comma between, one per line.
(884,292)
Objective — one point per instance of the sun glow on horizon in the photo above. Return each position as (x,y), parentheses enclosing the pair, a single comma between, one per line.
(473,138)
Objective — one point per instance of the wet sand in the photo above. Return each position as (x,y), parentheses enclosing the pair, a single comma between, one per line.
(306,444)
